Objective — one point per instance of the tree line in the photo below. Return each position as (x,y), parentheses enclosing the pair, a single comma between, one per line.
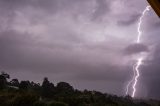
(29,93)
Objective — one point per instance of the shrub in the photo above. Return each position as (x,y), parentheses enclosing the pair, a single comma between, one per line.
(40,103)
(24,100)
(57,104)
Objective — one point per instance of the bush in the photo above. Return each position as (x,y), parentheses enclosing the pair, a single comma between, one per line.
(24,100)
(57,104)
(40,103)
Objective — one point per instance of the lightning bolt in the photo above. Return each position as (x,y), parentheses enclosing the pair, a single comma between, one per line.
(130,82)
(140,59)
(139,63)
(140,24)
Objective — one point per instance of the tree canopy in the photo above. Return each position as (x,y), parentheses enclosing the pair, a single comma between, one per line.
(29,93)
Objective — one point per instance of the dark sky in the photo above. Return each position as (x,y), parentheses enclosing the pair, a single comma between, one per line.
(88,43)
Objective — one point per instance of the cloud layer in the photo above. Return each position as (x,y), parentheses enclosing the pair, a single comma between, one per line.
(78,41)
(136,49)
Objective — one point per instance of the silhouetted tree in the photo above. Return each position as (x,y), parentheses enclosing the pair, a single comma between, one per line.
(14,82)
(3,80)
(24,85)
(47,88)
(63,86)
(35,87)
(32,94)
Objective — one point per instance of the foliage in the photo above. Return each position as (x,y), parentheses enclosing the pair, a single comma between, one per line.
(40,103)
(26,93)
(53,103)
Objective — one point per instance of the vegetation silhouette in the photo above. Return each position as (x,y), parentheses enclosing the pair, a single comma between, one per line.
(26,93)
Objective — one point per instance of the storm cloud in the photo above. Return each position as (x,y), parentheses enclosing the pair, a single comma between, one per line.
(136,48)
(88,43)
